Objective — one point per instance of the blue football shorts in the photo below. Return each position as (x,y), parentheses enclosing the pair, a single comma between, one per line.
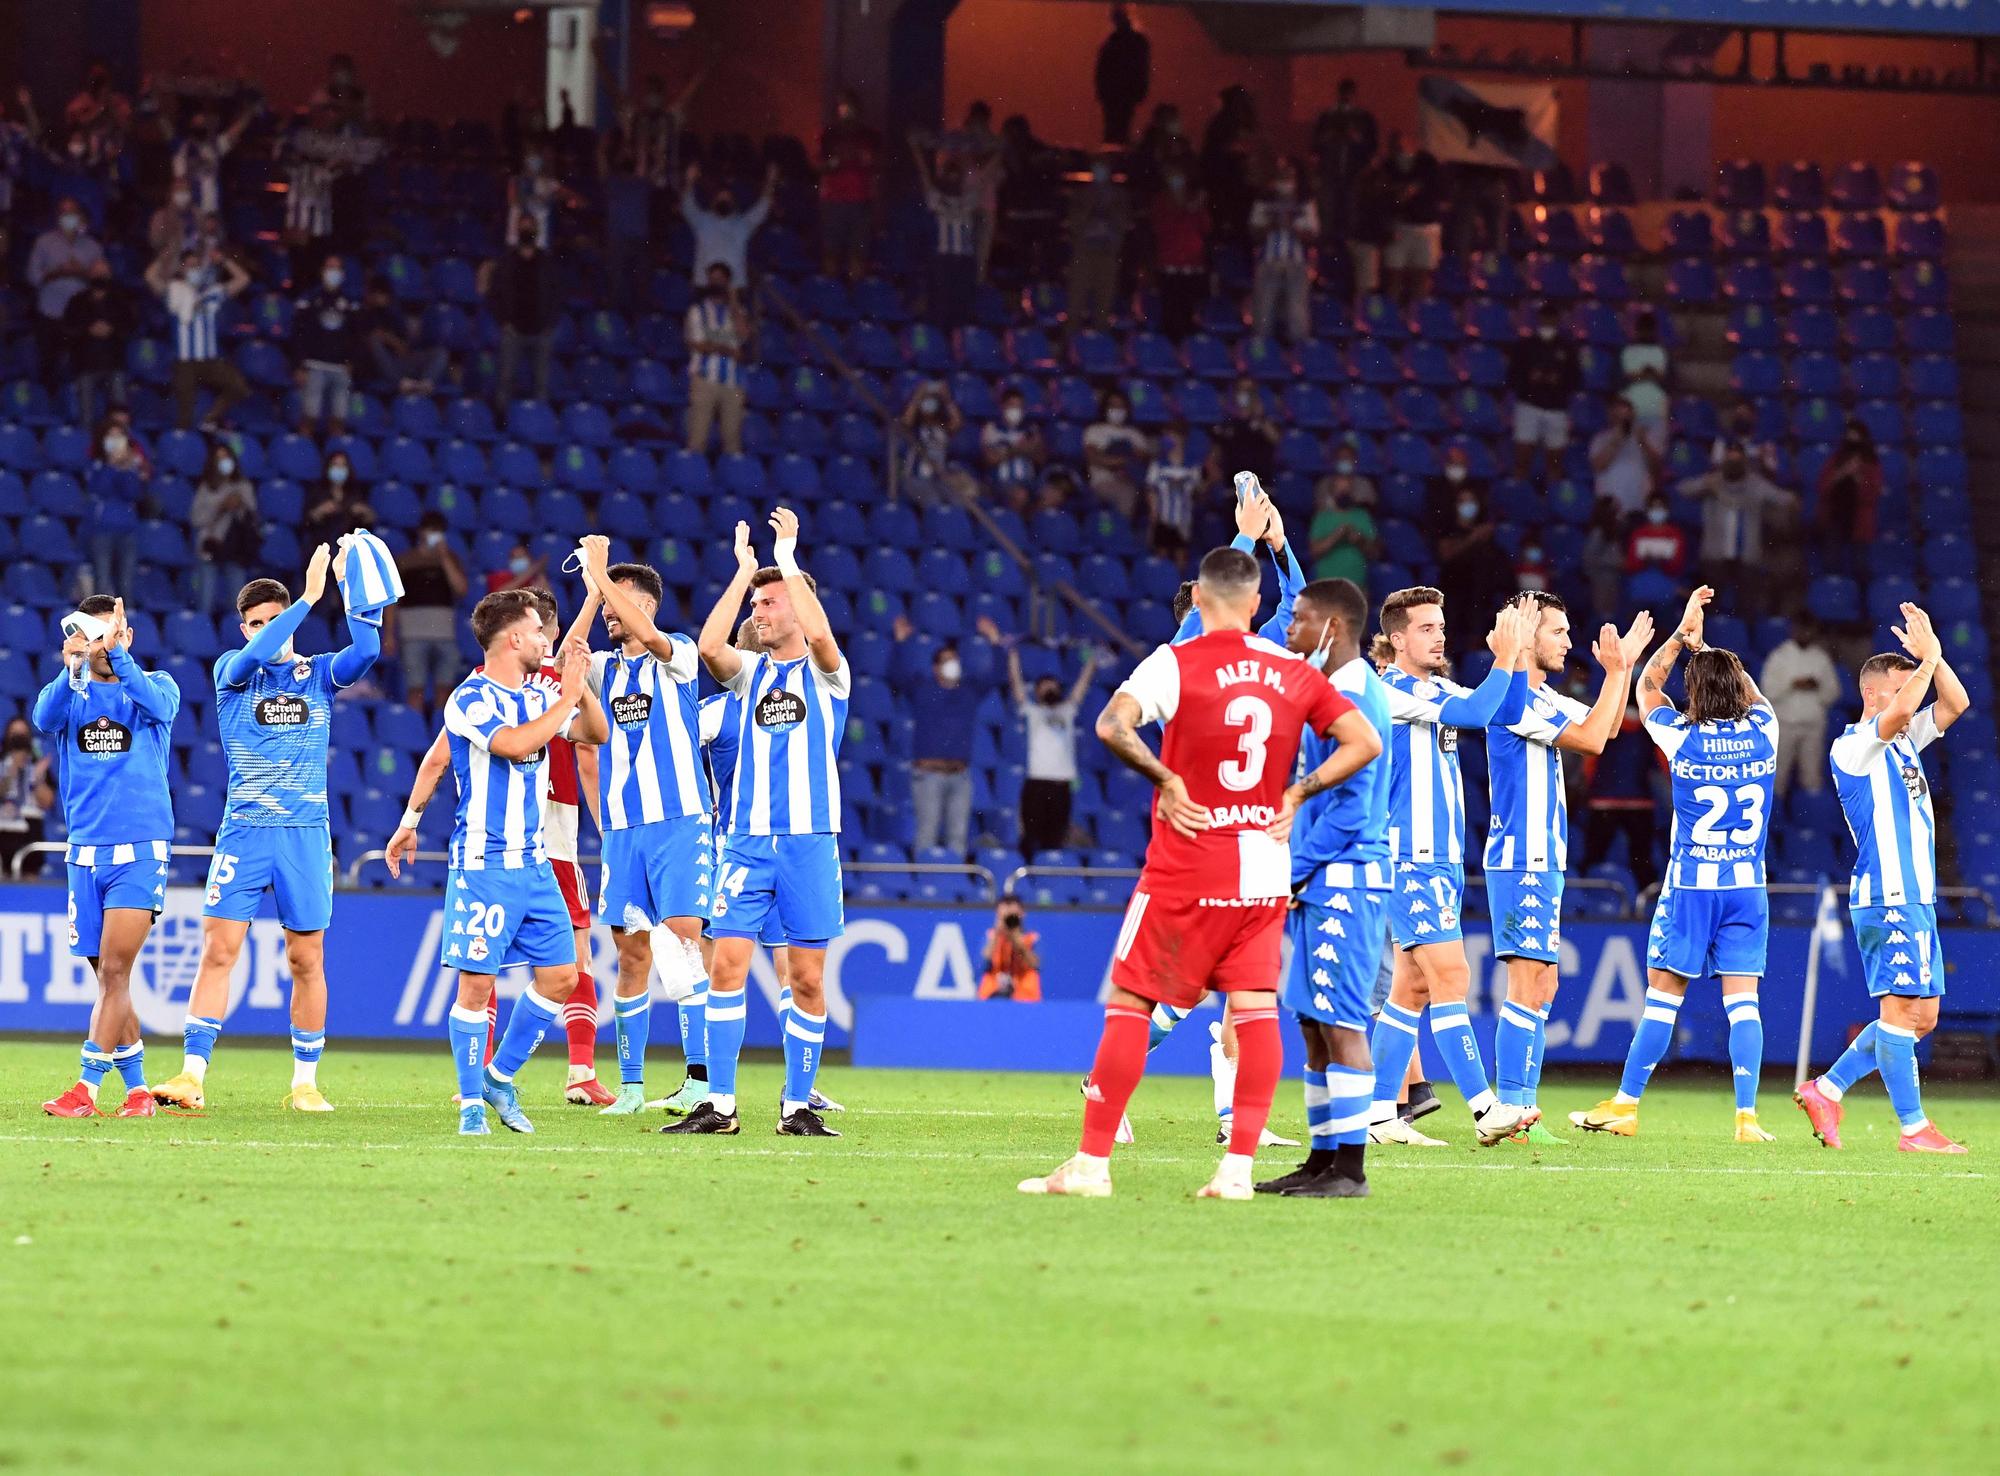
(293,861)
(1336,936)
(792,879)
(102,878)
(656,871)
(1527,914)
(1424,903)
(495,917)
(1900,950)
(1698,935)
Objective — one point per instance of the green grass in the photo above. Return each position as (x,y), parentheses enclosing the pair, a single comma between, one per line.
(366,1293)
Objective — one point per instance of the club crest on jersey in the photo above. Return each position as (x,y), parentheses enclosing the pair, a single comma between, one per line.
(632,709)
(283,711)
(301,669)
(104,736)
(478,711)
(779,711)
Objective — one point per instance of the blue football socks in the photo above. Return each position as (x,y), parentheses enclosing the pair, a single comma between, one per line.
(1390,1046)
(467,1030)
(1348,1092)
(1854,1064)
(1896,1056)
(1746,1047)
(1451,1028)
(805,1043)
(530,1021)
(131,1063)
(1513,1048)
(1650,1042)
(633,1021)
(726,1018)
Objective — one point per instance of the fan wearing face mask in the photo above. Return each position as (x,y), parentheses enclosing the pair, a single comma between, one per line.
(1543,374)
(1115,451)
(1048,713)
(326,334)
(228,533)
(1286,228)
(62,260)
(1013,450)
(1099,213)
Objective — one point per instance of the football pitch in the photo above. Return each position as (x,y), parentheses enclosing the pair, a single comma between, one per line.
(255,1291)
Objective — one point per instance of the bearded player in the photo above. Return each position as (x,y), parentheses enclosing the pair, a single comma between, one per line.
(1209,908)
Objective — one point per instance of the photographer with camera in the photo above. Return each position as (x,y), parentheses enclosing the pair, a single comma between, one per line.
(1013,966)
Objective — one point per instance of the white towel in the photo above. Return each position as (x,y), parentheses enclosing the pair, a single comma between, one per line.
(369,579)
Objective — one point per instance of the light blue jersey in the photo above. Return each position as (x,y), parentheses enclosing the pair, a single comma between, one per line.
(650,769)
(1529,828)
(499,818)
(274,725)
(1427,790)
(1723,774)
(1347,827)
(1887,799)
(719,736)
(787,723)
(111,741)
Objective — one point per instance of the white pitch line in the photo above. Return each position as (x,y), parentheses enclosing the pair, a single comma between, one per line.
(1399,1165)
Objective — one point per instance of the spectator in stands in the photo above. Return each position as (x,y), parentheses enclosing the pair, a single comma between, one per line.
(194,289)
(945,708)
(1643,365)
(1173,483)
(325,337)
(27,793)
(535,192)
(979,147)
(1344,141)
(1165,149)
(722,232)
(1619,785)
(1371,229)
(228,531)
(1228,146)
(717,331)
(1013,450)
(338,504)
(1247,440)
(1115,452)
(1532,571)
(175,226)
(1048,715)
(1286,230)
(1656,542)
(1543,374)
(1735,501)
(98,112)
(404,353)
(1030,198)
(1604,556)
(1099,213)
(115,489)
(1470,564)
(523,571)
(850,156)
(1627,456)
(521,285)
(1124,75)
(931,420)
(1057,492)
(1010,965)
(1179,217)
(423,625)
(1741,430)
(1849,491)
(628,227)
(954,268)
(1416,202)
(199,155)
(1342,536)
(63,259)
(98,324)
(1802,686)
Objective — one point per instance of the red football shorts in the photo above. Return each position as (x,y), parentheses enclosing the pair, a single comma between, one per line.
(1173,949)
(569,876)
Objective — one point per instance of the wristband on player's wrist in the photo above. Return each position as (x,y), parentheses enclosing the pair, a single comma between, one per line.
(784,553)
(412,819)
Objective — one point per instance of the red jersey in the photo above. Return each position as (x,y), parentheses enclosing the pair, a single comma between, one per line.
(1234,706)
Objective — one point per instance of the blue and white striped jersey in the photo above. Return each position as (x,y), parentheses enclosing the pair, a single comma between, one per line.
(1887,798)
(1723,776)
(499,819)
(713,320)
(1529,828)
(651,767)
(1347,827)
(1174,486)
(1426,789)
(718,746)
(194,307)
(787,722)
(955,215)
(1285,229)
(274,728)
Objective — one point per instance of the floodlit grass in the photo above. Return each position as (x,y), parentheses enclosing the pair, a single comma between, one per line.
(365,1292)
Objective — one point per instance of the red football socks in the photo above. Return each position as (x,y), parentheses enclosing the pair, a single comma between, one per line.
(579,1017)
(1114,1076)
(1260,1057)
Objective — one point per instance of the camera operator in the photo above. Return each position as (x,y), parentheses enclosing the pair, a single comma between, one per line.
(1013,967)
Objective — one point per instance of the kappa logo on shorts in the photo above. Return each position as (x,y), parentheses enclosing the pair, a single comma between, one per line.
(779,711)
(632,709)
(1903,981)
(1322,978)
(1418,908)
(104,737)
(1341,904)
(1325,950)
(1413,888)
(1899,936)
(1424,930)
(1892,916)
(1899,959)
(284,711)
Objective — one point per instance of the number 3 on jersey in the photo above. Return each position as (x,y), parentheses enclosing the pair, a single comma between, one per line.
(1253,716)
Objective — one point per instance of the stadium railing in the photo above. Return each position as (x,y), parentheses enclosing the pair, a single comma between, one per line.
(978,873)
